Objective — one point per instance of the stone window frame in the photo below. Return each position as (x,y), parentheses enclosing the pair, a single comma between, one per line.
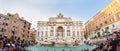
(52,27)
(68,32)
(105,22)
(73,33)
(46,33)
(101,24)
(96,27)
(42,33)
(111,20)
(113,25)
(78,33)
(51,32)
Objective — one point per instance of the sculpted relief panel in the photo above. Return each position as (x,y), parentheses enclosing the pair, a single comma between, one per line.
(60,20)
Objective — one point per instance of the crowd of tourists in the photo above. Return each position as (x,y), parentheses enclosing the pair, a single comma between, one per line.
(14,43)
(111,44)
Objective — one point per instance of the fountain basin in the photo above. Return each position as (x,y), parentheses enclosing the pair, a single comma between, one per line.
(60,48)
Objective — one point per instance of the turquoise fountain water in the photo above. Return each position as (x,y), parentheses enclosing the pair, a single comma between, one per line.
(56,48)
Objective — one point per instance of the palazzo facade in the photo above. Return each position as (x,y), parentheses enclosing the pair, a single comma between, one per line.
(59,28)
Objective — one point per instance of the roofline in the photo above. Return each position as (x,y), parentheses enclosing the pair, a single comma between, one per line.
(98,12)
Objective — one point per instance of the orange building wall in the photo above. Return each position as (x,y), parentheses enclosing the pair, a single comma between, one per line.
(110,11)
(19,26)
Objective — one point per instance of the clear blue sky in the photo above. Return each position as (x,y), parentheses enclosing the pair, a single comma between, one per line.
(40,10)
